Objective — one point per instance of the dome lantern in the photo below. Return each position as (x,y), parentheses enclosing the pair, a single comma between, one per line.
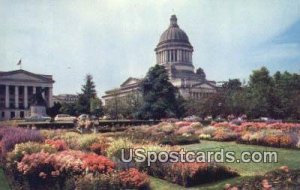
(173,21)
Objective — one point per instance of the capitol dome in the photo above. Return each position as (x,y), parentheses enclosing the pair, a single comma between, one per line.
(174,50)
(174,34)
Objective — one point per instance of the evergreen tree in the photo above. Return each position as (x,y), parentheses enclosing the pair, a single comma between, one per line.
(88,93)
(160,97)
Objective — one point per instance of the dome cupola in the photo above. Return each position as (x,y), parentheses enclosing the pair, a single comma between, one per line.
(174,49)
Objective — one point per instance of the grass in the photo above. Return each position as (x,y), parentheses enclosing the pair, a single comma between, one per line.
(288,157)
(3,182)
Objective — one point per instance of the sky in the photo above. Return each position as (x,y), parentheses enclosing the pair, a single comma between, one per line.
(113,39)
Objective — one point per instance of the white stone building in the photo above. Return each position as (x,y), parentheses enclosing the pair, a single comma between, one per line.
(175,52)
(65,98)
(16,91)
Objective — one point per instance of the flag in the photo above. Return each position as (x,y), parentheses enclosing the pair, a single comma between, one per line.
(20,62)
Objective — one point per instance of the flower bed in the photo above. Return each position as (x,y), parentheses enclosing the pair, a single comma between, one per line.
(66,160)
(166,133)
(54,165)
(284,135)
(188,174)
(10,136)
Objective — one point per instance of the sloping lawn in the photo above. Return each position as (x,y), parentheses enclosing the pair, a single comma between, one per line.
(288,157)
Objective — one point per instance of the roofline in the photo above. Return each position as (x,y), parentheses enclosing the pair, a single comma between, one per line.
(41,76)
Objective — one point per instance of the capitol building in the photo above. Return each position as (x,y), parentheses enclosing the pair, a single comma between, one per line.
(175,52)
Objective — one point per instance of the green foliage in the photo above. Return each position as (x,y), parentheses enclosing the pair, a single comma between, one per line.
(68,109)
(276,96)
(123,107)
(96,107)
(89,88)
(114,150)
(160,98)
(28,148)
(54,110)
(88,97)
(86,141)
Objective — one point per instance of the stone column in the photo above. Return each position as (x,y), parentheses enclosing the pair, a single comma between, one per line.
(16,96)
(50,97)
(43,94)
(33,90)
(6,96)
(25,97)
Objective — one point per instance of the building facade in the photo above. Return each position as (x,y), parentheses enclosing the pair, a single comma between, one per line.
(65,98)
(130,86)
(17,89)
(175,52)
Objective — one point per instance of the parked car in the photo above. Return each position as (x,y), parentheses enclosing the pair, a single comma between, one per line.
(192,118)
(64,117)
(83,117)
(38,118)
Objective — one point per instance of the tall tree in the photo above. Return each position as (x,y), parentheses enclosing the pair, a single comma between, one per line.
(260,93)
(88,93)
(160,98)
(88,89)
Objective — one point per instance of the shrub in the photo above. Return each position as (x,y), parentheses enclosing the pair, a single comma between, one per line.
(114,150)
(210,130)
(71,139)
(196,125)
(99,148)
(36,164)
(103,181)
(190,174)
(222,124)
(95,163)
(272,140)
(28,148)
(57,144)
(85,141)
(204,136)
(287,140)
(48,134)
(14,135)
(183,123)
(179,140)
(185,129)
(133,179)
(224,134)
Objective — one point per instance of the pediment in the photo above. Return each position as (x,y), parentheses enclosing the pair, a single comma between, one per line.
(24,76)
(130,81)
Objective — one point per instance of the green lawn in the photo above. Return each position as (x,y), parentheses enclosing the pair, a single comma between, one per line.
(287,157)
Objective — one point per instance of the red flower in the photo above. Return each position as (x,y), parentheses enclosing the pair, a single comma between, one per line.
(58,144)
(96,163)
(133,179)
